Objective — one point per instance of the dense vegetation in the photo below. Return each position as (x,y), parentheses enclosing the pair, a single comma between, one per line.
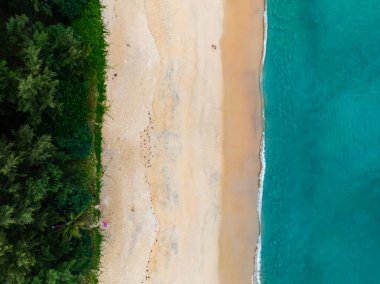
(52,100)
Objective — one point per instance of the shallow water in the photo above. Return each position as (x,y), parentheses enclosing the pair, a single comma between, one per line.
(321,200)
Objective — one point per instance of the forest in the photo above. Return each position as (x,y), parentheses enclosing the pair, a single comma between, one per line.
(52,102)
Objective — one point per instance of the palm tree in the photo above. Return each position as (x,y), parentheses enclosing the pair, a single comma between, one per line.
(72,225)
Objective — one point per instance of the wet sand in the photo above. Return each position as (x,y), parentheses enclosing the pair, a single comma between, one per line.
(242,48)
(180,142)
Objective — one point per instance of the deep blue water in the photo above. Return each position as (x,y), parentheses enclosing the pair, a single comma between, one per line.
(321,201)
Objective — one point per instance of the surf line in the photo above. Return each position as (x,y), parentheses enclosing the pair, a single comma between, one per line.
(257,274)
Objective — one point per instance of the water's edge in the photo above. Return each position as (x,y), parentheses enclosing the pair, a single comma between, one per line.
(257,276)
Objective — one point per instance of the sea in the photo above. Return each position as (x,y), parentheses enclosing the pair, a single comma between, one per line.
(320,215)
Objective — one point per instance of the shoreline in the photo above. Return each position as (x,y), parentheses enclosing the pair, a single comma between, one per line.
(243,35)
(257,274)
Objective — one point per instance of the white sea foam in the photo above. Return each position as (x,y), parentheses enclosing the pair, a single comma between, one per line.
(257,276)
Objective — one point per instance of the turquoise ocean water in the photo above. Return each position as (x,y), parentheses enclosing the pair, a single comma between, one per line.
(321,199)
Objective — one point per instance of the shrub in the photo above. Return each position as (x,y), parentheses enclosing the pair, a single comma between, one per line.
(70,8)
(74,198)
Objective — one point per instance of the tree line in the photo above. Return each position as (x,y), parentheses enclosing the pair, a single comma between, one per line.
(48,108)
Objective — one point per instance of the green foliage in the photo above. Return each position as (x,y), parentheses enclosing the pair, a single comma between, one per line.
(32,8)
(52,99)
(32,85)
(72,226)
(41,6)
(79,145)
(40,58)
(27,170)
(65,54)
(75,200)
(73,131)
(6,213)
(70,8)
(91,29)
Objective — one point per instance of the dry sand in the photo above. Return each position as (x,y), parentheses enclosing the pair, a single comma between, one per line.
(180,143)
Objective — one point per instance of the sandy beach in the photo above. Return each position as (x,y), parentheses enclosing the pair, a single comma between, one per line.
(182,141)
(242,48)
